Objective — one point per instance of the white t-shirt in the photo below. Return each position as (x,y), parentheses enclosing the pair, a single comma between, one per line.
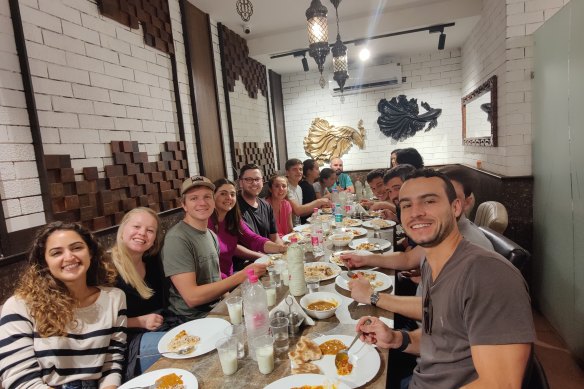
(295,194)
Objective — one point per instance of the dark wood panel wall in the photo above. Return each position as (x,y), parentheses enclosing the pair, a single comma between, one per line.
(204,97)
(279,121)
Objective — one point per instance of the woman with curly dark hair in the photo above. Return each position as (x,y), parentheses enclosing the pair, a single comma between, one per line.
(64,326)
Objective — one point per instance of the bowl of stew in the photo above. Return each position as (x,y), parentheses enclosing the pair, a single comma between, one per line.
(320,305)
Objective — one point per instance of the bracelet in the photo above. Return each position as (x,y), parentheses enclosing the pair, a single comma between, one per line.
(405,340)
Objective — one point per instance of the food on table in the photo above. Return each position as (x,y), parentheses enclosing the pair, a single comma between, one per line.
(306,368)
(183,340)
(322,305)
(378,213)
(306,351)
(327,210)
(332,347)
(299,236)
(371,277)
(380,223)
(336,259)
(354,232)
(344,367)
(170,381)
(351,222)
(321,271)
(276,256)
(366,246)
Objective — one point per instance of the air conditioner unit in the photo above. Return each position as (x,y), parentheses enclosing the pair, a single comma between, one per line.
(368,79)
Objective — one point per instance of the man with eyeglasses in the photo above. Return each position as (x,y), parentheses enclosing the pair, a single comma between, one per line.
(256,212)
(477,328)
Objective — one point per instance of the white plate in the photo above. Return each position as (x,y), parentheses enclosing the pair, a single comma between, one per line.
(323,218)
(383,244)
(208,329)
(343,280)
(335,268)
(368,224)
(357,231)
(298,380)
(266,258)
(364,357)
(338,253)
(348,222)
(303,228)
(301,237)
(147,379)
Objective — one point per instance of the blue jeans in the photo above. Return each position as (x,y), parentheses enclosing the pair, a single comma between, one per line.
(80,385)
(149,345)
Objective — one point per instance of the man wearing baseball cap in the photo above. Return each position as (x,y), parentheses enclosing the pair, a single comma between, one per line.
(190,255)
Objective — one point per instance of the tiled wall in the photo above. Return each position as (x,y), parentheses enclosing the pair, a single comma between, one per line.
(95,81)
(431,77)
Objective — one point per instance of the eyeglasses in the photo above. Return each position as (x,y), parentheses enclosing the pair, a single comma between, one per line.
(427,310)
(249,180)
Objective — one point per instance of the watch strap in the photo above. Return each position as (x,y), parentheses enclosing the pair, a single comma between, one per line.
(374,298)
(405,340)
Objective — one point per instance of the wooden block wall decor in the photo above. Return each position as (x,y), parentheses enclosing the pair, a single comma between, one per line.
(90,173)
(154,16)
(251,152)
(238,64)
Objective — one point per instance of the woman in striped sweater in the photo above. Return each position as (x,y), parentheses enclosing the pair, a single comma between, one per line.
(64,326)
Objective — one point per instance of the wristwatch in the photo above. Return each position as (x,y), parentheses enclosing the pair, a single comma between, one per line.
(374,298)
(405,340)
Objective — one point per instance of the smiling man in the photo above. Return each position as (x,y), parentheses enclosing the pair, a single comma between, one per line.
(190,255)
(477,328)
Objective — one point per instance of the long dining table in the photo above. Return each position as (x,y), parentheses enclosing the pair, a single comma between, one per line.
(207,368)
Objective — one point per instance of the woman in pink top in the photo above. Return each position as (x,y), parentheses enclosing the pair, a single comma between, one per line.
(235,237)
(278,199)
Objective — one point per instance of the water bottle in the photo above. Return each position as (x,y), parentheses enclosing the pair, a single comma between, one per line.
(316,238)
(245,283)
(338,215)
(335,198)
(255,309)
(314,216)
(358,190)
(297,283)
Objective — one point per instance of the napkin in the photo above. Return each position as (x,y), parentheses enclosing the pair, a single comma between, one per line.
(296,308)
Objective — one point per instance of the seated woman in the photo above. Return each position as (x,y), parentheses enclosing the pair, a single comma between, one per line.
(65,326)
(278,199)
(235,237)
(141,277)
(327,178)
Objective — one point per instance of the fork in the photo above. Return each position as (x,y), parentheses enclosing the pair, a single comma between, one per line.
(181,351)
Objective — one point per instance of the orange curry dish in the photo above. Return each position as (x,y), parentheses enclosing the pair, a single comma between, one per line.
(332,347)
(170,381)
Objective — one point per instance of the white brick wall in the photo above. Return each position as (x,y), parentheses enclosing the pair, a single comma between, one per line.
(502,44)
(431,77)
(95,81)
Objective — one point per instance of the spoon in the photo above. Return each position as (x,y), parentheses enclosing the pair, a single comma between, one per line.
(342,356)
(181,351)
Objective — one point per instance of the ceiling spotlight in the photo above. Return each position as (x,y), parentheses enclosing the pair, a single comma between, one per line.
(441,41)
(305,63)
(364,54)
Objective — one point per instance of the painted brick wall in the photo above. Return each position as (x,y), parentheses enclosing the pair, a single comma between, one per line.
(432,77)
(19,183)
(95,81)
(502,44)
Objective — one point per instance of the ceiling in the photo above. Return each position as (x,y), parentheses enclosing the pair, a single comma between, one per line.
(279,26)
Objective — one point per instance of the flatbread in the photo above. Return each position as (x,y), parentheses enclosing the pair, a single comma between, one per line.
(306,368)
(182,340)
(306,351)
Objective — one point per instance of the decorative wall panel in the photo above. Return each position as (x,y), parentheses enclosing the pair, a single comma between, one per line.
(238,64)
(250,152)
(152,14)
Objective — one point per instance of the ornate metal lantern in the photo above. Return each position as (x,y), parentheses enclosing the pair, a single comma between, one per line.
(317,24)
(340,62)
(244,9)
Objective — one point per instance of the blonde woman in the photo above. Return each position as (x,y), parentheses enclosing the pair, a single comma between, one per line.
(142,279)
(64,326)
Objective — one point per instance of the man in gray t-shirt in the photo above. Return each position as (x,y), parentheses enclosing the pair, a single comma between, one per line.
(190,255)
(477,325)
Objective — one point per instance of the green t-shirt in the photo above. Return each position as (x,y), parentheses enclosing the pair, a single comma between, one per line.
(188,250)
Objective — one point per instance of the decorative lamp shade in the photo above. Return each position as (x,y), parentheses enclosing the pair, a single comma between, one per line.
(317,27)
(340,63)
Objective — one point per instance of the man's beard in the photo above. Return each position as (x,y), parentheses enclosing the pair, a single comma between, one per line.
(441,234)
(339,171)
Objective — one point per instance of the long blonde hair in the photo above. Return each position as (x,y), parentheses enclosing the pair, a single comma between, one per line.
(48,300)
(122,258)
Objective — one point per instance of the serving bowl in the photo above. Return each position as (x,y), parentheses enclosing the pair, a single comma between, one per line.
(340,239)
(320,296)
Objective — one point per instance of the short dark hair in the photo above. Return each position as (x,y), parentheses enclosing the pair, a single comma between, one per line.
(411,156)
(325,173)
(249,166)
(373,174)
(308,164)
(461,175)
(400,171)
(430,173)
(293,162)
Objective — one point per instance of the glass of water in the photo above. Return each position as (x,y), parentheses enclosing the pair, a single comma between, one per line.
(274,273)
(279,330)
(312,283)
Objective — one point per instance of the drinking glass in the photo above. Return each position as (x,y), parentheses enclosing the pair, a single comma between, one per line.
(237,330)
(235,308)
(227,350)
(270,288)
(279,330)
(274,273)
(264,351)
(313,284)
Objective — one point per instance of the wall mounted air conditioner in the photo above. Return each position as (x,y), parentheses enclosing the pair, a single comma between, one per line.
(368,79)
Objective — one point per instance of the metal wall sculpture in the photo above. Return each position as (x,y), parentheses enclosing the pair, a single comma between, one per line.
(400,118)
(325,141)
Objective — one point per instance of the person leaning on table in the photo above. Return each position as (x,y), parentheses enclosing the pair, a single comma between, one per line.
(190,255)
(477,328)
(65,325)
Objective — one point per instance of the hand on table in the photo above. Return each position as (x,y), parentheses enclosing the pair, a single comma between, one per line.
(259,269)
(354,260)
(366,203)
(151,321)
(323,202)
(389,215)
(360,290)
(378,333)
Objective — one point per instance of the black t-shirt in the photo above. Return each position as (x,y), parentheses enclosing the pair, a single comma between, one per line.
(154,278)
(261,219)
(308,196)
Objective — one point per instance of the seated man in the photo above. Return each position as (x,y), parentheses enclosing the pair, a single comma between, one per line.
(375,181)
(190,255)
(410,156)
(477,327)
(294,169)
(255,211)
(344,182)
